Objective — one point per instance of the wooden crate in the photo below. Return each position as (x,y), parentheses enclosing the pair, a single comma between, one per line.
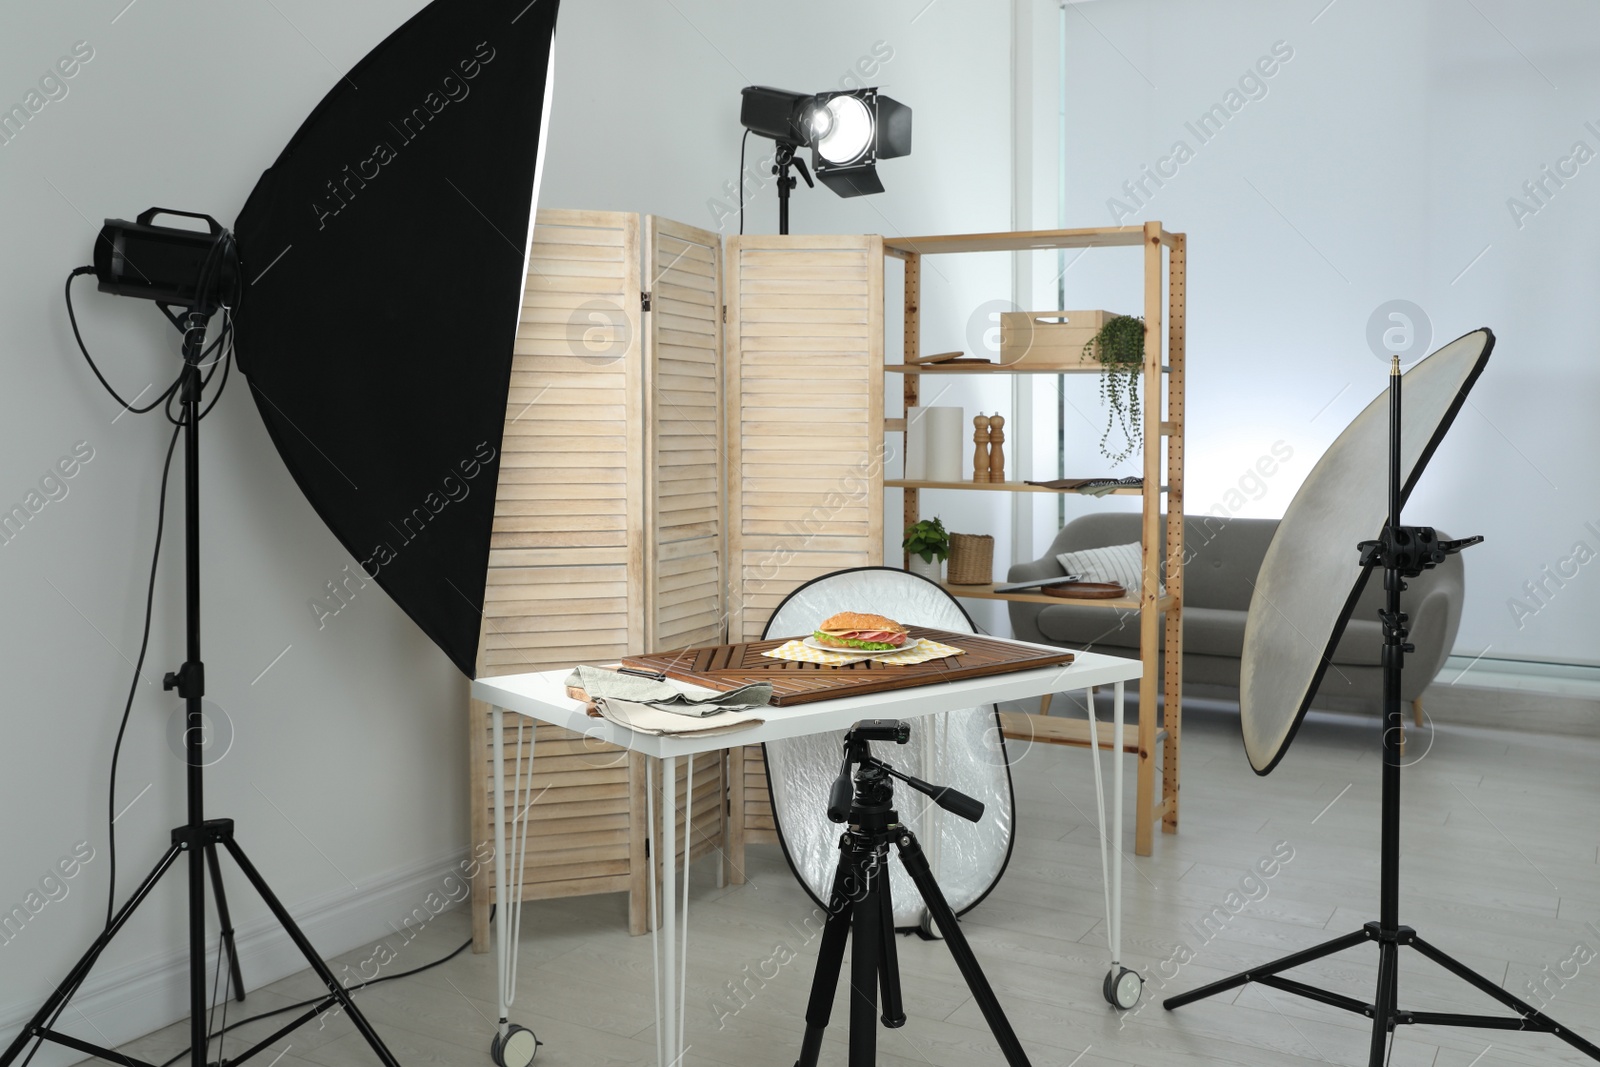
(607,537)
(1043,340)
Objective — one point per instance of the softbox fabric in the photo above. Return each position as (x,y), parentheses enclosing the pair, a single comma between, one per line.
(383,260)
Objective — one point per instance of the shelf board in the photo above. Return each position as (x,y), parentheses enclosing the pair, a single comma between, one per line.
(1061,730)
(1003,487)
(1024,241)
(990,368)
(986,592)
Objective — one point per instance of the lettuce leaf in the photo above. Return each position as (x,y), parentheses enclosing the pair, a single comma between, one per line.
(850,642)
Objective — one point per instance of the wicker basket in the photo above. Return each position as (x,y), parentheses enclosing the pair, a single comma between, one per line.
(971,559)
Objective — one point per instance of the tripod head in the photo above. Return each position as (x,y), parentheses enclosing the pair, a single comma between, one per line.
(871,788)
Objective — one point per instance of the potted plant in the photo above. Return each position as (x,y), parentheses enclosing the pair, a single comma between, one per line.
(1119,348)
(928,545)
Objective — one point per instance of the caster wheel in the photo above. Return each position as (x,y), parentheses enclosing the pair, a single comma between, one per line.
(516,1049)
(1123,988)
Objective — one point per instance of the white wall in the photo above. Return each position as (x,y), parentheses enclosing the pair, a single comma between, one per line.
(347,776)
(1377,166)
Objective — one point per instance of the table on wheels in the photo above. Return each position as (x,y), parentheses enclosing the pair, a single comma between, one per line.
(542,696)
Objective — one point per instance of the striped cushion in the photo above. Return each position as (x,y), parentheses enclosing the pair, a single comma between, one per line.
(1113,563)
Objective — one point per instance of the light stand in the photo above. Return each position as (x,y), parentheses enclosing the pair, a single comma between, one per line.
(199,837)
(860,907)
(1403,552)
(781,162)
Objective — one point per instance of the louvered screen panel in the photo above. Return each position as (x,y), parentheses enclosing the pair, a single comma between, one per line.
(683,387)
(566,579)
(804,415)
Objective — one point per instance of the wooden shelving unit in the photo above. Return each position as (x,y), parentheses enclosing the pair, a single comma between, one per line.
(993,487)
(1162,420)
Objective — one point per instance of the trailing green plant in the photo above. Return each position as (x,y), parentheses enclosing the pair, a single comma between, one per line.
(1119,348)
(927,539)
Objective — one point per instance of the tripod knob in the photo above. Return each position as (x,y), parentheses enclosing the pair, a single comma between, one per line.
(169,681)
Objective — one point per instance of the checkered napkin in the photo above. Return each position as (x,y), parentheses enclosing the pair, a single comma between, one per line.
(921,652)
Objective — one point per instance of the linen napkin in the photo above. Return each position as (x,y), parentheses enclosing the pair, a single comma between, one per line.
(653,707)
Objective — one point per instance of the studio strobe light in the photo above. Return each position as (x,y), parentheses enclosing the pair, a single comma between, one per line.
(848,131)
(859,127)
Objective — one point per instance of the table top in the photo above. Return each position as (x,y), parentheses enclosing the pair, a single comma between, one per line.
(542,695)
(724,667)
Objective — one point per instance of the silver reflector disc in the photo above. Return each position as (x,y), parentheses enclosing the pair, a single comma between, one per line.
(1311,575)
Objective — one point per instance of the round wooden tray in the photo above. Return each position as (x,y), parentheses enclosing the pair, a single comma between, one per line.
(1086,591)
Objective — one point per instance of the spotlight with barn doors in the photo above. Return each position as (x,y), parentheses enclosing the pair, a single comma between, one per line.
(847,131)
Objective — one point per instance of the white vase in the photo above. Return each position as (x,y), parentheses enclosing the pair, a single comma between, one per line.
(934,571)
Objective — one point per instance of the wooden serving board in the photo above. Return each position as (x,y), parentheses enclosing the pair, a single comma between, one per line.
(723,667)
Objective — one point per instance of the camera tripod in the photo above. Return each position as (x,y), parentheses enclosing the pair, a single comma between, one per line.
(860,907)
(1401,552)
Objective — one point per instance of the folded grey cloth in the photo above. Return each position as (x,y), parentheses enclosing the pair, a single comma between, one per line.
(681,699)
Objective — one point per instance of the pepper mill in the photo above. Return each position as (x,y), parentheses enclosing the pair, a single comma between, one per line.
(980,448)
(997,452)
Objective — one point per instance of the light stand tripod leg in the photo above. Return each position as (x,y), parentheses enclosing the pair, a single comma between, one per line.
(337,991)
(830,958)
(1383,1013)
(226,922)
(46,1015)
(1360,937)
(1516,1004)
(917,866)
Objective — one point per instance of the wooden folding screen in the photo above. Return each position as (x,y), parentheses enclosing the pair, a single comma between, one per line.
(684,554)
(804,376)
(609,463)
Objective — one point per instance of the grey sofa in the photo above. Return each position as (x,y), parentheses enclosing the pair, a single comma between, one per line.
(1223,557)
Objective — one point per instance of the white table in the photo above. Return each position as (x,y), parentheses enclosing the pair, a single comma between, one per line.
(542,696)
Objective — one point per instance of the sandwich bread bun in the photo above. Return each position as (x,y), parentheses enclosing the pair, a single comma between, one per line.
(862,630)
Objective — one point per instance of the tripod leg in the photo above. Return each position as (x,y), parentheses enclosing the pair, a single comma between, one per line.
(46,1015)
(866,944)
(226,922)
(1384,1006)
(917,866)
(337,991)
(1360,937)
(894,1014)
(830,957)
(1516,1004)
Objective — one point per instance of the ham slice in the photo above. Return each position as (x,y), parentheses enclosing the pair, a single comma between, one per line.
(887,637)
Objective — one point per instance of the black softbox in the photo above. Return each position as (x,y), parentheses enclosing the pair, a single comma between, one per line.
(383,258)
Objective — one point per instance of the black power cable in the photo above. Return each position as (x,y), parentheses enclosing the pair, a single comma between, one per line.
(73,318)
(325,999)
(742,141)
(138,670)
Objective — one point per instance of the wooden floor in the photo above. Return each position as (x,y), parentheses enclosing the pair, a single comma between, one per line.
(1501,869)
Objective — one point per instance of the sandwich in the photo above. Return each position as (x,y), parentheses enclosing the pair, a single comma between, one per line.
(855,629)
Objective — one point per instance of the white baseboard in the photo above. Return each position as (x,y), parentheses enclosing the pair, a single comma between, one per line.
(1528,676)
(146,995)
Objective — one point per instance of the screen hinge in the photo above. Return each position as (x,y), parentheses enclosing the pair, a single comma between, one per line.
(644,301)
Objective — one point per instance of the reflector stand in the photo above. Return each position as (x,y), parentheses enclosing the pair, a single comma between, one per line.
(1400,552)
